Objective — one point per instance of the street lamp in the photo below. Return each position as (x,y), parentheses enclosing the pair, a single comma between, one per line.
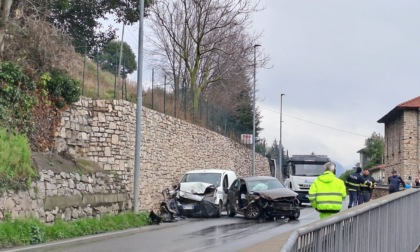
(253,112)
(137,163)
(280,144)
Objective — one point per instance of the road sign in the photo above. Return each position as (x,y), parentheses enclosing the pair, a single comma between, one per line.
(246,138)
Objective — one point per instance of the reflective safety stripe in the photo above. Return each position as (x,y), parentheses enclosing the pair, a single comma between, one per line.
(327,196)
(325,193)
(329,202)
(353,184)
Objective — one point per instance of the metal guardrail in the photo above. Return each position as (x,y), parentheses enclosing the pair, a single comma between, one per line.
(389,223)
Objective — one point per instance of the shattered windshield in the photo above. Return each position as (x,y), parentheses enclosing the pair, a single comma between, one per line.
(262,185)
(211,178)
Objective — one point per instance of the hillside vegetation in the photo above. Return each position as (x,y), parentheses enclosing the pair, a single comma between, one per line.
(32,231)
(42,72)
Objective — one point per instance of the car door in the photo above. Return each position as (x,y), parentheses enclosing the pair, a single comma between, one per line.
(233,192)
(225,187)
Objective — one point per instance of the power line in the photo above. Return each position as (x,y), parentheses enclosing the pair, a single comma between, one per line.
(133,36)
(318,124)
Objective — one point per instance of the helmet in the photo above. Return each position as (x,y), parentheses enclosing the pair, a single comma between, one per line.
(330,166)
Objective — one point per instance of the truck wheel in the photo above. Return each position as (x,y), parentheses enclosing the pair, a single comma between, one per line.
(253,212)
(230,211)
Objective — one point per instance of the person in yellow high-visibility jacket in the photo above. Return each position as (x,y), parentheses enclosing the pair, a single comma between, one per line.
(327,192)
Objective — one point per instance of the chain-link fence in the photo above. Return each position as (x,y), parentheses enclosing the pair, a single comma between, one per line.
(206,114)
(161,97)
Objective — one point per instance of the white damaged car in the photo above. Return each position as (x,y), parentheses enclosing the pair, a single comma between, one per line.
(203,193)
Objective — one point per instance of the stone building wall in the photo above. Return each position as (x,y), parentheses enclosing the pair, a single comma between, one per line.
(402,145)
(104,131)
(393,145)
(411,143)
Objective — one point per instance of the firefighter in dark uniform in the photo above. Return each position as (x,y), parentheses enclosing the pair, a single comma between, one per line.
(353,185)
(366,191)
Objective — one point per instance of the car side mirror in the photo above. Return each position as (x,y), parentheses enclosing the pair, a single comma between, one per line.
(225,190)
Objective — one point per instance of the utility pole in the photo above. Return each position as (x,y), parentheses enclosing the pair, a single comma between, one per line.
(280,143)
(121,52)
(138,111)
(253,113)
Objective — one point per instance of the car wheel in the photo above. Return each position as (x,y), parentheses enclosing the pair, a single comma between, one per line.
(230,211)
(296,215)
(253,212)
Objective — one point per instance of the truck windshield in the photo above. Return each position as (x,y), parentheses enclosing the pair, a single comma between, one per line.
(309,169)
(211,178)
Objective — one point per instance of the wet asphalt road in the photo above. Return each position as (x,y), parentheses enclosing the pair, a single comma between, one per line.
(216,234)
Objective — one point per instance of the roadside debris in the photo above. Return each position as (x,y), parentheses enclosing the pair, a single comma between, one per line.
(154,218)
(194,200)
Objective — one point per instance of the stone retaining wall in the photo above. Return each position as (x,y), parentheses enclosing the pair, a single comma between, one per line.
(67,196)
(104,131)
(380,191)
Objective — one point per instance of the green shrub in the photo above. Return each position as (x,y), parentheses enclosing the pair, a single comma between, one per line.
(16,171)
(32,231)
(62,88)
(17,98)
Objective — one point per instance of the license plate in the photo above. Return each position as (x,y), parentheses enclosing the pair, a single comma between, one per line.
(187,207)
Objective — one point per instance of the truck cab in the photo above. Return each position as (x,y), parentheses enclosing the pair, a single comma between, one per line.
(301,172)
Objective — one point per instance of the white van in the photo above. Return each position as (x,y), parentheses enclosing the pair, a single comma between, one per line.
(203,193)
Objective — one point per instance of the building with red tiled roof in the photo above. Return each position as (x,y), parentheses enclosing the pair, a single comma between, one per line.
(402,139)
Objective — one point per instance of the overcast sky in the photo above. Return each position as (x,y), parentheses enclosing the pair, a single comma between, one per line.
(342,65)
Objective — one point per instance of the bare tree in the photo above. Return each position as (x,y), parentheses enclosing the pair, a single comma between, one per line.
(204,43)
(5,6)
(35,44)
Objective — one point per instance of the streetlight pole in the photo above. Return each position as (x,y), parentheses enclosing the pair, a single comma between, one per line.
(280,144)
(137,164)
(253,112)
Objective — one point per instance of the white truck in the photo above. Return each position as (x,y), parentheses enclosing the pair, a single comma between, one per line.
(301,172)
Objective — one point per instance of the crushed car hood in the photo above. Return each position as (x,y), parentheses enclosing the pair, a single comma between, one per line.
(195,190)
(195,187)
(277,193)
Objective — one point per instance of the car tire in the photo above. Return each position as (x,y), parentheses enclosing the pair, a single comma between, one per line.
(253,212)
(230,211)
(296,215)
